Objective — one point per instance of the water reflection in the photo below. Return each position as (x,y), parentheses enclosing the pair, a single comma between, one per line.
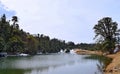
(49,64)
(103,62)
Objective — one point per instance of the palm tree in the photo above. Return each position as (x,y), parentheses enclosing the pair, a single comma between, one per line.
(106,30)
(15,20)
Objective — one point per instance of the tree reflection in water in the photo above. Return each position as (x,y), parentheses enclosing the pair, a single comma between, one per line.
(103,62)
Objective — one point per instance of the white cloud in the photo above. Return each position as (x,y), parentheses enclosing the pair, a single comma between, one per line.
(71,20)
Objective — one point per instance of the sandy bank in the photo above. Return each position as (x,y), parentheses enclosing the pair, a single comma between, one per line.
(87,52)
(113,67)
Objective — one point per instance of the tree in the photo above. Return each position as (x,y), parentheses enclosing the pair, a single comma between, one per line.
(105,31)
(31,45)
(15,20)
(1,44)
(3,18)
(70,45)
(15,44)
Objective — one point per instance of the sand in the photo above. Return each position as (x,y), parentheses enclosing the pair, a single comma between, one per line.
(113,67)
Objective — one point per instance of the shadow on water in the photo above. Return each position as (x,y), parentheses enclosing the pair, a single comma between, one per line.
(103,61)
(11,71)
(6,66)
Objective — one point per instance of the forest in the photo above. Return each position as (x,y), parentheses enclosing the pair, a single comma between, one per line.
(14,40)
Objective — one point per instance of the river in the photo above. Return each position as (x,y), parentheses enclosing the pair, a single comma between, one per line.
(49,64)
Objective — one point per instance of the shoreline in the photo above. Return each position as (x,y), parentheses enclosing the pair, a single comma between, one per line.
(114,66)
(87,52)
(111,68)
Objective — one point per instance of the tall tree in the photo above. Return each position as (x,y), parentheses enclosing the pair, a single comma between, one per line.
(3,18)
(15,20)
(105,31)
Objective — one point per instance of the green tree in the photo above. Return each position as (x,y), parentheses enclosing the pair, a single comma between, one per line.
(15,20)
(31,45)
(1,44)
(105,31)
(3,18)
(15,44)
(70,45)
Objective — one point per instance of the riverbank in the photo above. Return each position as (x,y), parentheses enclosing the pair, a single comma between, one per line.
(87,52)
(113,67)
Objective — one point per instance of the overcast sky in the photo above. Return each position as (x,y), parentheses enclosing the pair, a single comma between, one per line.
(70,20)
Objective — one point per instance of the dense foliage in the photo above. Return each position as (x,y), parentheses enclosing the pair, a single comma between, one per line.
(14,40)
(86,46)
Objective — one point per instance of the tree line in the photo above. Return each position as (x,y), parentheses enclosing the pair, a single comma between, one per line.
(15,40)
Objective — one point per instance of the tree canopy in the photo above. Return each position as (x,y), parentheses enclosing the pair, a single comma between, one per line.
(15,40)
(105,31)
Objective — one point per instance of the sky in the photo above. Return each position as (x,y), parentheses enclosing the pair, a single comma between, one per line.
(70,20)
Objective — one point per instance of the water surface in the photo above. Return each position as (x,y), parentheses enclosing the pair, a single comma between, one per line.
(49,64)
